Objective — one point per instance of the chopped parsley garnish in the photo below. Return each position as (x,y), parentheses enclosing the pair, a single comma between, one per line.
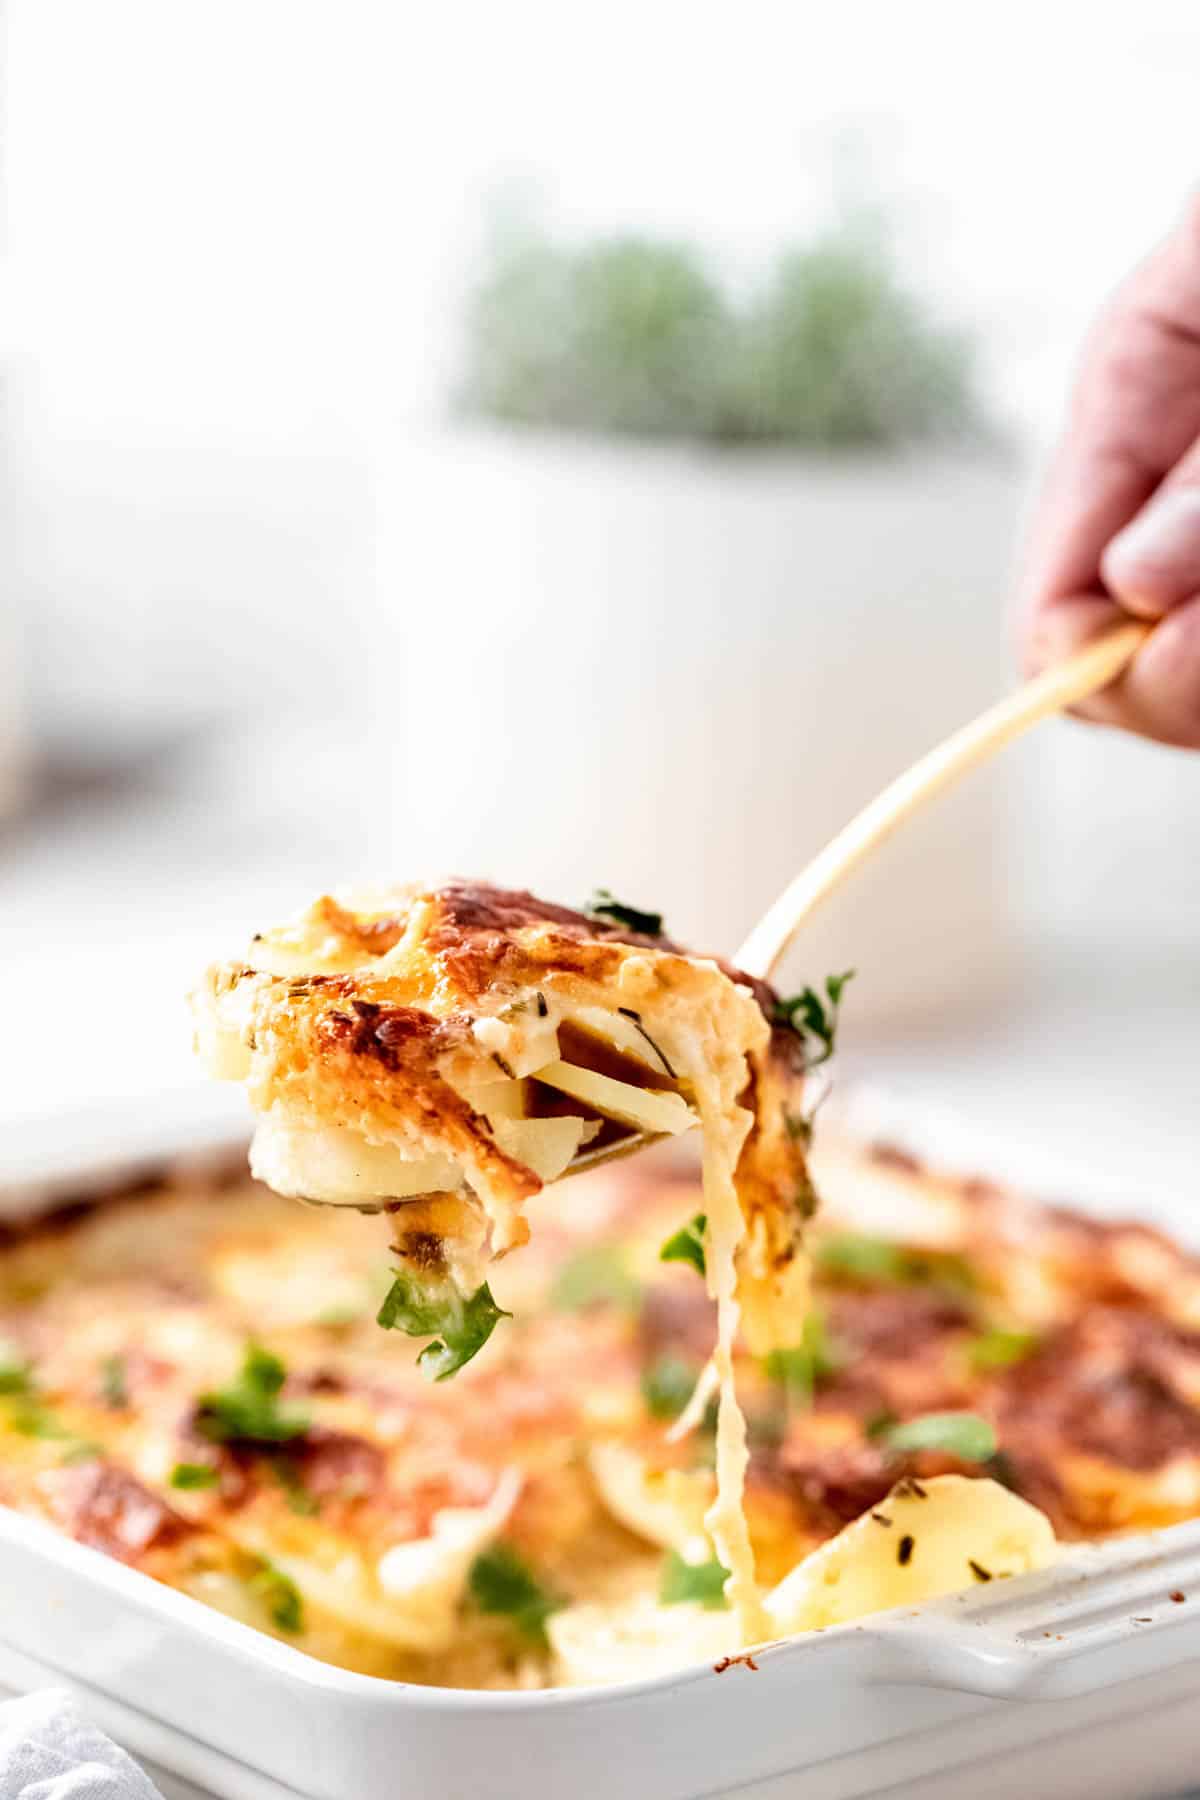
(501,1582)
(299,1500)
(248,1410)
(189,1475)
(31,1417)
(280,1596)
(813,1019)
(598,1274)
(700,1584)
(801,1369)
(687,1245)
(460,1324)
(960,1434)
(1000,1349)
(604,905)
(667,1385)
(876,1261)
(15,1375)
(861,1258)
(34,1420)
(114,1384)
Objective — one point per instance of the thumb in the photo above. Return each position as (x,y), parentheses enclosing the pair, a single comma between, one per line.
(1153,564)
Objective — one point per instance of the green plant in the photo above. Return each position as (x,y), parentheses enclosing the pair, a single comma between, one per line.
(635,336)
(838,353)
(624,336)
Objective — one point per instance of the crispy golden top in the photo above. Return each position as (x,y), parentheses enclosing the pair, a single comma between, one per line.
(394,1016)
(1077,1340)
(475,935)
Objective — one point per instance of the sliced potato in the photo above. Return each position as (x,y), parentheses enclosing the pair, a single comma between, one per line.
(647,1109)
(222,1034)
(623,1033)
(411,1599)
(664,1506)
(336,1164)
(927,1538)
(503,1099)
(544,1145)
(595,1644)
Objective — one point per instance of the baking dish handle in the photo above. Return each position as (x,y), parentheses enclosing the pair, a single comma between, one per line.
(1107,1612)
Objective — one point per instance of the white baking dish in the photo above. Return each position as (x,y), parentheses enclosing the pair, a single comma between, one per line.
(1041,1666)
(853,1710)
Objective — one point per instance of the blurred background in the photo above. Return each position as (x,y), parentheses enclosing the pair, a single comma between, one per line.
(582,449)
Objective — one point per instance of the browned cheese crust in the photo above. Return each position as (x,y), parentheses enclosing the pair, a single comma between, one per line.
(368,1021)
(119,1318)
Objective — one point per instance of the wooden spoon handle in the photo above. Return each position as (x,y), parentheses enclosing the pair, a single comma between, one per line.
(1085,673)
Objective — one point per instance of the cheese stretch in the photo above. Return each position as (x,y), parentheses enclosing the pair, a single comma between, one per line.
(439,1055)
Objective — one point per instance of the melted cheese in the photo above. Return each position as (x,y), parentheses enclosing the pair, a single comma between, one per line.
(725,1127)
(710,1045)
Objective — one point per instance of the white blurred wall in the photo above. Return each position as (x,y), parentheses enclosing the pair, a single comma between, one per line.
(237,236)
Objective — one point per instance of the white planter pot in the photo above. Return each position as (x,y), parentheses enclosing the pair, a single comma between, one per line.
(675,674)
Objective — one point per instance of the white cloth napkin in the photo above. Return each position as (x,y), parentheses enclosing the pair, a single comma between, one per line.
(48,1751)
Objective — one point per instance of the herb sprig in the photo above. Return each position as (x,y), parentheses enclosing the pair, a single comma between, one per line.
(280,1596)
(860,1258)
(998,1349)
(501,1582)
(460,1324)
(667,1385)
(604,905)
(248,1411)
(800,1369)
(15,1374)
(815,1019)
(687,1245)
(698,1584)
(962,1434)
(191,1477)
(30,1416)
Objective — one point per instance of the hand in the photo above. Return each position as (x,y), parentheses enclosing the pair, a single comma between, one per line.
(1118,531)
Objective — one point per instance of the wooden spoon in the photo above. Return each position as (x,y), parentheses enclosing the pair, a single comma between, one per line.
(1089,670)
